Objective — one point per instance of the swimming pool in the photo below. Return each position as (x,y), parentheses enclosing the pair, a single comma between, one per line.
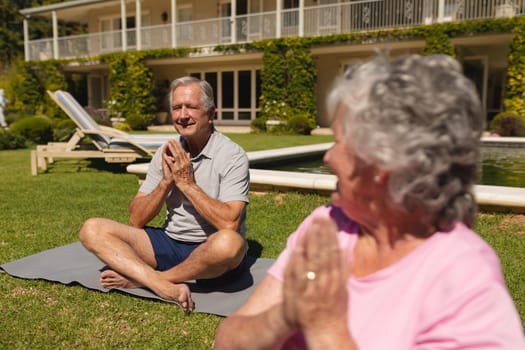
(500,166)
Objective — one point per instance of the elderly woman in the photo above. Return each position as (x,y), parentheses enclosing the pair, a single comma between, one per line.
(392,262)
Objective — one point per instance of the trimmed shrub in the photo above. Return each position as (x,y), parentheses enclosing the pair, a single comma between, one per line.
(11,140)
(273,79)
(35,129)
(11,117)
(508,124)
(139,121)
(123,127)
(438,42)
(302,79)
(277,127)
(300,124)
(63,130)
(130,89)
(258,125)
(515,84)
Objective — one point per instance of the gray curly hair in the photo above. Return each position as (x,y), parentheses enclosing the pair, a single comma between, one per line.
(207,99)
(420,119)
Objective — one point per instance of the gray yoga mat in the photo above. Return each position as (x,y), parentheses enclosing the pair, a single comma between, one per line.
(72,263)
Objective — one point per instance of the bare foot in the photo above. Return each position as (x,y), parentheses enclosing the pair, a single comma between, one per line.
(175,292)
(167,290)
(111,279)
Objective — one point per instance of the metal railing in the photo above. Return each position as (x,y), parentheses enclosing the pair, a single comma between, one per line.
(329,19)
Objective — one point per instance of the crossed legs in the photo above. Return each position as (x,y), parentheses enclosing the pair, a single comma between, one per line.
(128,252)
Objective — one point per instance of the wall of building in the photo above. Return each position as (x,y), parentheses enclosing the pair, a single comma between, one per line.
(331,62)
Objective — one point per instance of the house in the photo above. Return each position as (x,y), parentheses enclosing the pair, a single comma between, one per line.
(128,25)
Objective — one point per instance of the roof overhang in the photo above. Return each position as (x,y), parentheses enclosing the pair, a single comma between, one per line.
(69,11)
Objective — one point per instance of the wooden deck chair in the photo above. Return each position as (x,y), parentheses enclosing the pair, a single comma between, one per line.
(114,145)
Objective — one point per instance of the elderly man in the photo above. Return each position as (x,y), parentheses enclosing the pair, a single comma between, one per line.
(203,177)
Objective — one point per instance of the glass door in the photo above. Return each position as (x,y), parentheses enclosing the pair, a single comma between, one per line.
(225,9)
(476,69)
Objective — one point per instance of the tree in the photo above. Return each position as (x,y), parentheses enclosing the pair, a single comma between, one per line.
(11,28)
(11,39)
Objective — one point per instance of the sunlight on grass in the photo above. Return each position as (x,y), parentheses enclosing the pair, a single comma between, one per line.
(46,211)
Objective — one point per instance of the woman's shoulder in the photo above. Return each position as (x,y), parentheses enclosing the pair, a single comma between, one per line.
(465,291)
(461,257)
(462,241)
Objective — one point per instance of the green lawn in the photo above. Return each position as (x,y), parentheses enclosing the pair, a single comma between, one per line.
(46,211)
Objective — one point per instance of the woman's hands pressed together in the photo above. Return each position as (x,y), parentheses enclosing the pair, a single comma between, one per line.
(315,297)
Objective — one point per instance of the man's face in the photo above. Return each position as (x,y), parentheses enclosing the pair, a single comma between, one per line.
(188,114)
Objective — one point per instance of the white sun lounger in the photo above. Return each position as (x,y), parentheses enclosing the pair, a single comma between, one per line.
(113,145)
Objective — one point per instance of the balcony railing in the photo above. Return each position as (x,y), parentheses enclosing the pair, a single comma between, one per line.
(311,21)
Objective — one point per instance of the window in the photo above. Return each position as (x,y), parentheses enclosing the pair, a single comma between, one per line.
(328,16)
(244,88)
(227,89)
(225,14)
(211,78)
(111,35)
(185,27)
(291,13)
(130,37)
(255,20)
(236,93)
(290,4)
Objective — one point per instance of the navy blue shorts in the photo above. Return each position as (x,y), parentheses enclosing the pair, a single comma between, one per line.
(168,251)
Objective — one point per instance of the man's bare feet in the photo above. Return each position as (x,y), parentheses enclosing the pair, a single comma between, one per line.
(111,279)
(176,292)
(167,290)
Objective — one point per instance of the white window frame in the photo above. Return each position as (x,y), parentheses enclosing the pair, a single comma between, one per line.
(253,109)
(111,39)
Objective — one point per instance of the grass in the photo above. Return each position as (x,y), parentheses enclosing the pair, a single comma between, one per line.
(46,211)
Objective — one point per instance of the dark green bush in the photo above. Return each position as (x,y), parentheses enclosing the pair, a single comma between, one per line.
(300,124)
(13,117)
(10,118)
(139,122)
(438,42)
(508,124)
(63,129)
(258,125)
(35,129)
(130,83)
(101,120)
(11,140)
(281,128)
(123,127)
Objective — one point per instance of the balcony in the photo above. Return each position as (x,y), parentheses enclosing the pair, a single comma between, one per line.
(337,18)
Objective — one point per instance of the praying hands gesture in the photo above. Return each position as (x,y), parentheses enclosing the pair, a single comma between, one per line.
(312,299)
(315,297)
(176,165)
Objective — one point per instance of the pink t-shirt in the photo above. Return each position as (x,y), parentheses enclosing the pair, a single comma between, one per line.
(449,293)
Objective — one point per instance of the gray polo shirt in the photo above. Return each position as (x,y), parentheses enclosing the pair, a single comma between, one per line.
(221,170)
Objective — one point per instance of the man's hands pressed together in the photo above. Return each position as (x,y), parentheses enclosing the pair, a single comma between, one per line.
(177,166)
